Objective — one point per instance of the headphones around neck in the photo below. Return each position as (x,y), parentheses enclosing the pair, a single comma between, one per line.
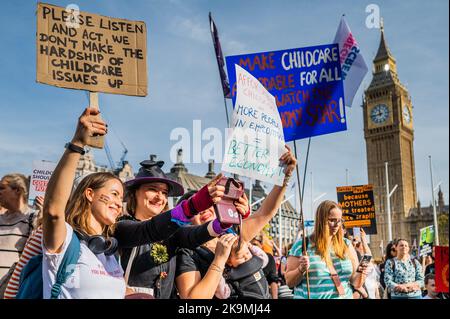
(98,244)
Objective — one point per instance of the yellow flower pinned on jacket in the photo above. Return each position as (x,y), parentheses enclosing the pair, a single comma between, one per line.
(159,253)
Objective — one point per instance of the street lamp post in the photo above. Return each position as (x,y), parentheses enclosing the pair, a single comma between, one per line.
(258,201)
(436,230)
(312,207)
(388,201)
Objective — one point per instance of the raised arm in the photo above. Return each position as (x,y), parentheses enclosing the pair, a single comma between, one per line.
(359,270)
(192,236)
(191,285)
(135,233)
(366,247)
(60,184)
(269,207)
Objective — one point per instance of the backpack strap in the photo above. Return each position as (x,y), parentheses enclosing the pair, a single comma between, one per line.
(393,265)
(130,263)
(67,266)
(415,267)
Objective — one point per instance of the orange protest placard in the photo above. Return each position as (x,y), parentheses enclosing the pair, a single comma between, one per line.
(358,200)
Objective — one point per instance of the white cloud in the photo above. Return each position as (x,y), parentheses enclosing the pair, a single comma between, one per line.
(192,28)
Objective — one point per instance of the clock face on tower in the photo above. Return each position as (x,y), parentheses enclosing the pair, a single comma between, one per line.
(406,115)
(379,113)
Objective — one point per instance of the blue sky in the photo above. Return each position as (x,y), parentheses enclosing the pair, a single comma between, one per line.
(183,80)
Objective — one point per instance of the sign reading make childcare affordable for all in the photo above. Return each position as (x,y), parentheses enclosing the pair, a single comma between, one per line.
(80,50)
(256,140)
(426,241)
(307,86)
(42,171)
(358,200)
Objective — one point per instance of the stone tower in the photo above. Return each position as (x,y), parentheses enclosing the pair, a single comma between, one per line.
(389,135)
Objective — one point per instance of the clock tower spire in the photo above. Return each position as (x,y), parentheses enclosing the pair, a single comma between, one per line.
(389,135)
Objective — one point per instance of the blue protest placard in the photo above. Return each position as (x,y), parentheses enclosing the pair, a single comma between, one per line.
(307,85)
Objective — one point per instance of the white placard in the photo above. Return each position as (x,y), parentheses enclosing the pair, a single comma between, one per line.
(256,140)
(42,171)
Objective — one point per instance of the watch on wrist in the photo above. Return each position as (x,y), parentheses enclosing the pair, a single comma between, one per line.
(75,148)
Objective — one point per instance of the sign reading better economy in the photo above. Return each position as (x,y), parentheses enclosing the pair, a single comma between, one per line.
(307,85)
(256,141)
(358,200)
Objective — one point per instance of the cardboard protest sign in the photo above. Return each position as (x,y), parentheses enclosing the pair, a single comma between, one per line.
(426,241)
(441,264)
(42,171)
(80,50)
(256,141)
(307,86)
(358,200)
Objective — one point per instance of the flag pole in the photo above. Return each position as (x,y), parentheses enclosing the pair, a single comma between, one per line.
(302,219)
(226,111)
(306,166)
(219,59)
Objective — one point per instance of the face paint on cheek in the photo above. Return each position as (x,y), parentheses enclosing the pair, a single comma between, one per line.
(105,199)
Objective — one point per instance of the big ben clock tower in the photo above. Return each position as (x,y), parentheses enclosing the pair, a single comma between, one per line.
(389,135)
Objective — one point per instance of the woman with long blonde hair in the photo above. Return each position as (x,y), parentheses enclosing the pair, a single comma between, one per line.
(331,260)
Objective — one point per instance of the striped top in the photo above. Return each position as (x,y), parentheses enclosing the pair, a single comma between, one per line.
(14,231)
(33,247)
(321,285)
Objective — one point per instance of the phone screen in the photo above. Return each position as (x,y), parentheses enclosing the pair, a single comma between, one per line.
(365,259)
(356,232)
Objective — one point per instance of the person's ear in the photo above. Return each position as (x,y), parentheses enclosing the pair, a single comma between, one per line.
(89,193)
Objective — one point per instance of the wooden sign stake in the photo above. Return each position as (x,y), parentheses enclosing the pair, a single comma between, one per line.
(95,141)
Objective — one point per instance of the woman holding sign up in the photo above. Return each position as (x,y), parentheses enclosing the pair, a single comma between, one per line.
(79,259)
(200,271)
(331,260)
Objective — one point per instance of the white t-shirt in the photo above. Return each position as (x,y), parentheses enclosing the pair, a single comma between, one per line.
(372,281)
(95,276)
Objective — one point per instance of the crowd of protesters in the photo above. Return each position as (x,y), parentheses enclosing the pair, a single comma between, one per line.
(148,251)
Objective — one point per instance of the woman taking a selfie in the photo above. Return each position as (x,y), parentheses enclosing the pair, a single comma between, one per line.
(200,271)
(331,260)
(150,267)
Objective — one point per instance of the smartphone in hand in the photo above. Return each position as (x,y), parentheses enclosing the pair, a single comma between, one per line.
(364,261)
(225,210)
